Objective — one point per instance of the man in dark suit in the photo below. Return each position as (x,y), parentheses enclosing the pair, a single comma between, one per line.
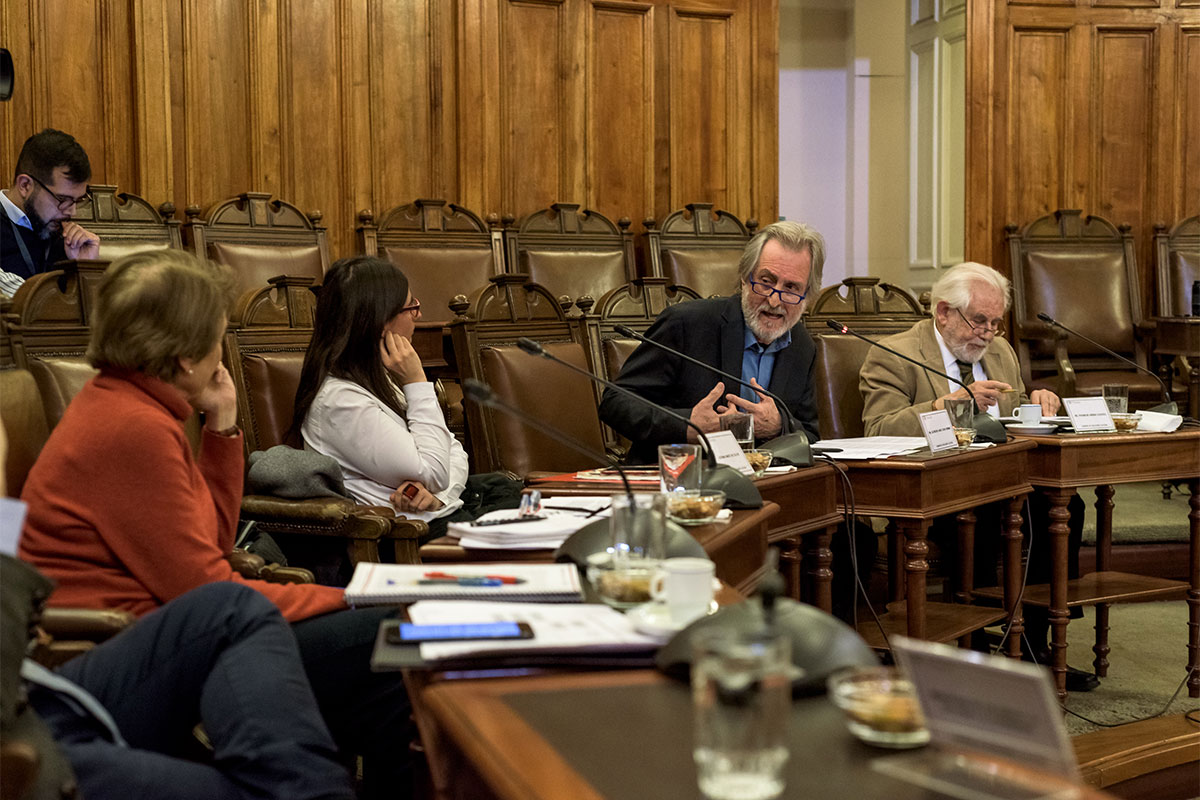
(36,230)
(753,334)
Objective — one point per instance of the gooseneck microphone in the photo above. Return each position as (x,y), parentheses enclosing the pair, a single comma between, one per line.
(1168,405)
(985,425)
(740,491)
(482,394)
(791,446)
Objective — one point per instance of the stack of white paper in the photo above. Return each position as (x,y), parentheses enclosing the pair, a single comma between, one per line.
(556,628)
(868,447)
(563,516)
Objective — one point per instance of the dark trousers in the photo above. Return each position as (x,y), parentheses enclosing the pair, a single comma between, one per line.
(368,713)
(221,655)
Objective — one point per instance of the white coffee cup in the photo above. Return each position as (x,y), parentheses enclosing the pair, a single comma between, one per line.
(686,586)
(1030,414)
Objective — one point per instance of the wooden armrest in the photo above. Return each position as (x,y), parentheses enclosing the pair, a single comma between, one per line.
(246,564)
(91,624)
(1066,372)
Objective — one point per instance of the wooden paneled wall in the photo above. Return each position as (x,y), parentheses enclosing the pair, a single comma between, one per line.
(504,106)
(1088,104)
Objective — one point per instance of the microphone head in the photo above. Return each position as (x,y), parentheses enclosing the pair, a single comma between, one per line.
(530,346)
(837,326)
(625,330)
(1044,317)
(477,391)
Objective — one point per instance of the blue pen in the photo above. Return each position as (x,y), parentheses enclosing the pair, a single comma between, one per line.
(461,581)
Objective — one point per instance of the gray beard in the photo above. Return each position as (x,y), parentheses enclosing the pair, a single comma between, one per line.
(752,323)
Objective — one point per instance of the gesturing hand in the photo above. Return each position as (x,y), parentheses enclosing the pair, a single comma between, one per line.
(767,423)
(400,358)
(703,416)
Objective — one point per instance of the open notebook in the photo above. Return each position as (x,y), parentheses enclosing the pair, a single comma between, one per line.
(387,584)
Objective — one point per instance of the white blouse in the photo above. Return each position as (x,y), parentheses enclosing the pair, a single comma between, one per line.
(378,450)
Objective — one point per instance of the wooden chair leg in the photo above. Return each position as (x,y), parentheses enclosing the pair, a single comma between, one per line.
(1101,648)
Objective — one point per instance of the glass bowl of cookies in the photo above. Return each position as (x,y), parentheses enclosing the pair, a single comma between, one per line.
(695,506)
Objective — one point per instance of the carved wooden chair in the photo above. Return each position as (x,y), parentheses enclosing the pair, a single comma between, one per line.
(127,223)
(867,305)
(1056,260)
(485,336)
(259,238)
(573,254)
(698,248)
(1178,266)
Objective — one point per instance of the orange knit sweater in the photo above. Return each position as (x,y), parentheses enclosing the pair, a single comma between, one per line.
(122,516)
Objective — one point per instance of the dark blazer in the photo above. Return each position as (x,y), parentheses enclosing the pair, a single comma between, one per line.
(43,252)
(714,332)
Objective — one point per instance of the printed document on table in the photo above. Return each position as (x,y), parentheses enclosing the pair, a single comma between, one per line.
(867,447)
(563,516)
(556,628)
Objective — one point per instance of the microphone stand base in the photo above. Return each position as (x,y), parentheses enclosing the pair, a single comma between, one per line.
(989,429)
(740,491)
(792,448)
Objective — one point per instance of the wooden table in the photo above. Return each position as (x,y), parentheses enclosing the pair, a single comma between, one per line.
(1061,464)
(738,547)
(624,735)
(912,491)
(1180,336)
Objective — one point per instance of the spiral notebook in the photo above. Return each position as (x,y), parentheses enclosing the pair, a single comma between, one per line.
(386,584)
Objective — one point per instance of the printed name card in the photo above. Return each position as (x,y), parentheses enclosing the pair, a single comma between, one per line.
(727,450)
(939,433)
(1088,414)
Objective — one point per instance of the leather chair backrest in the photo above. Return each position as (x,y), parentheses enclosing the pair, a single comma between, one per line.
(59,380)
(24,421)
(1178,266)
(616,352)
(1054,282)
(437,275)
(270,382)
(254,264)
(839,402)
(542,388)
(574,274)
(709,271)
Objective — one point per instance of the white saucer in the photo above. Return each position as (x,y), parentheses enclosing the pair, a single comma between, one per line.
(1032,430)
(654,619)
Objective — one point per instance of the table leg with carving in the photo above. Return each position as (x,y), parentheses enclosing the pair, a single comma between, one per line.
(916,565)
(1193,596)
(790,565)
(965,524)
(819,574)
(895,544)
(1104,510)
(1013,576)
(1059,616)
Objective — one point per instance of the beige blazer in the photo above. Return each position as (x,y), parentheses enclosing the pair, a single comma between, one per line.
(894,391)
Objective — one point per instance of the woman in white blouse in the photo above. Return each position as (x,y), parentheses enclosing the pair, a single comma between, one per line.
(364,399)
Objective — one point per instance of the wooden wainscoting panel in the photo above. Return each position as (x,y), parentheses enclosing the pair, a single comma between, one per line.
(1123,116)
(1182,84)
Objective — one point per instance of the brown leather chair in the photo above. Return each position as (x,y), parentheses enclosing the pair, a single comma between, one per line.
(259,238)
(127,223)
(1177,266)
(573,254)
(835,379)
(485,348)
(264,352)
(698,248)
(1082,272)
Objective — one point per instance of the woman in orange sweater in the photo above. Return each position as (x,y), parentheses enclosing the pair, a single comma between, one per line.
(121,515)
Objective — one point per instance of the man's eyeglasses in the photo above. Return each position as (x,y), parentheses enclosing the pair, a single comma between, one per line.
(416,306)
(981,326)
(766,290)
(64,201)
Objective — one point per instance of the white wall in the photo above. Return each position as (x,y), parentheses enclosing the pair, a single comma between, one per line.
(842,131)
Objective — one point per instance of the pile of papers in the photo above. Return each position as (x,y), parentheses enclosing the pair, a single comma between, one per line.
(577,628)
(563,516)
(868,447)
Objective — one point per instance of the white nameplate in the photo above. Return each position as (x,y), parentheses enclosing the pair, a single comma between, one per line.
(939,433)
(727,450)
(1088,414)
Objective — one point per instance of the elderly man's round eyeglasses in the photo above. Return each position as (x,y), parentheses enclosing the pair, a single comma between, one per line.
(981,325)
(766,290)
(64,201)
